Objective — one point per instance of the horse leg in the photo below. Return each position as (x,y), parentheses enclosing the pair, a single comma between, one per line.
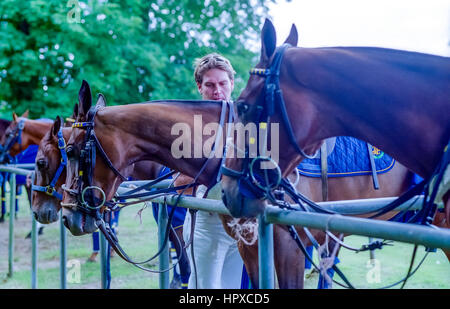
(249,255)
(289,260)
(442,219)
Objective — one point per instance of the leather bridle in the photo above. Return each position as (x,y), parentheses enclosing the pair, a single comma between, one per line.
(50,188)
(260,183)
(87,202)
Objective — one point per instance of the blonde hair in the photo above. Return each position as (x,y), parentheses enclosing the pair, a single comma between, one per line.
(212,61)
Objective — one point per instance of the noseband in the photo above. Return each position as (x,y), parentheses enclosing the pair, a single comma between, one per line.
(50,189)
(251,183)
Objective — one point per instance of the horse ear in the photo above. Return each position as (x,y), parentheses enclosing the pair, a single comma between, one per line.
(25,115)
(56,125)
(75,111)
(101,101)
(268,40)
(84,99)
(15,116)
(292,38)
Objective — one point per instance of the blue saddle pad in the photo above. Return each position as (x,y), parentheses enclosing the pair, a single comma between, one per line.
(350,157)
(26,156)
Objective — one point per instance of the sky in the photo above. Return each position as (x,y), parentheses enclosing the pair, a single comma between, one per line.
(415,25)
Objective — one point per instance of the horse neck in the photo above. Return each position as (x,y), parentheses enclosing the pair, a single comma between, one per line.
(372,95)
(143,132)
(35,131)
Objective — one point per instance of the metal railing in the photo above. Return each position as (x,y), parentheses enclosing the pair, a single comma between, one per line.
(403,232)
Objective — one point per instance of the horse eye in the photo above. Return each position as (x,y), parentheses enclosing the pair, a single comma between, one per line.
(242,107)
(70,151)
(42,164)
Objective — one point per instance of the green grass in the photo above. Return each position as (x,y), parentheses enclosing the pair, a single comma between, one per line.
(392,263)
(139,240)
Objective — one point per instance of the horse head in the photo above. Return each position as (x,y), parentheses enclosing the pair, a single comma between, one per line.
(49,174)
(90,181)
(76,221)
(50,171)
(243,194)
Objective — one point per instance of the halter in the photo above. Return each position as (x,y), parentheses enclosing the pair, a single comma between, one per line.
(13,138)
(50,189)
(259,184)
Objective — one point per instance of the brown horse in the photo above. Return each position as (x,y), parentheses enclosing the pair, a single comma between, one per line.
(46,206)
(31,134)
(143,131)
(390,98)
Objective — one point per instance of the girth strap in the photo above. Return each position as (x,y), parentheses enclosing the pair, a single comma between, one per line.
(324,170)
(373,167)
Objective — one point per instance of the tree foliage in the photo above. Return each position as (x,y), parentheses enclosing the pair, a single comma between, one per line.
(129,50)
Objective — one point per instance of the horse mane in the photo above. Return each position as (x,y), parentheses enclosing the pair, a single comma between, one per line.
(181,102)
(407,60)
(322,69)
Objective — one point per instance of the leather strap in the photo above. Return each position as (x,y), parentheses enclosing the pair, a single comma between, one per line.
(373,167)
(324,171)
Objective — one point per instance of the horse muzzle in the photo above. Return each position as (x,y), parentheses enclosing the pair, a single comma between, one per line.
(46,212)
(240,205)
(77,222)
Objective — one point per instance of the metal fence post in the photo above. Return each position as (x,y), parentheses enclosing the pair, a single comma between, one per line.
(12,208)
(103,261)
(265,253)
(164,256)
(34,243)
(62,253)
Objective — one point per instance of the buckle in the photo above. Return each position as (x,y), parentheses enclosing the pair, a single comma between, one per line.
(49,190)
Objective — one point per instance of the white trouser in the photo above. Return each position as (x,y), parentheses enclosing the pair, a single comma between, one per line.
(218,262)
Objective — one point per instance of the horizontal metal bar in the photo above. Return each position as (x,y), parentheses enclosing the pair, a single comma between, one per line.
(404,232)
(186,202)
(131,185)
(13,169)
(410,233)
(23,165)
(352,207)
